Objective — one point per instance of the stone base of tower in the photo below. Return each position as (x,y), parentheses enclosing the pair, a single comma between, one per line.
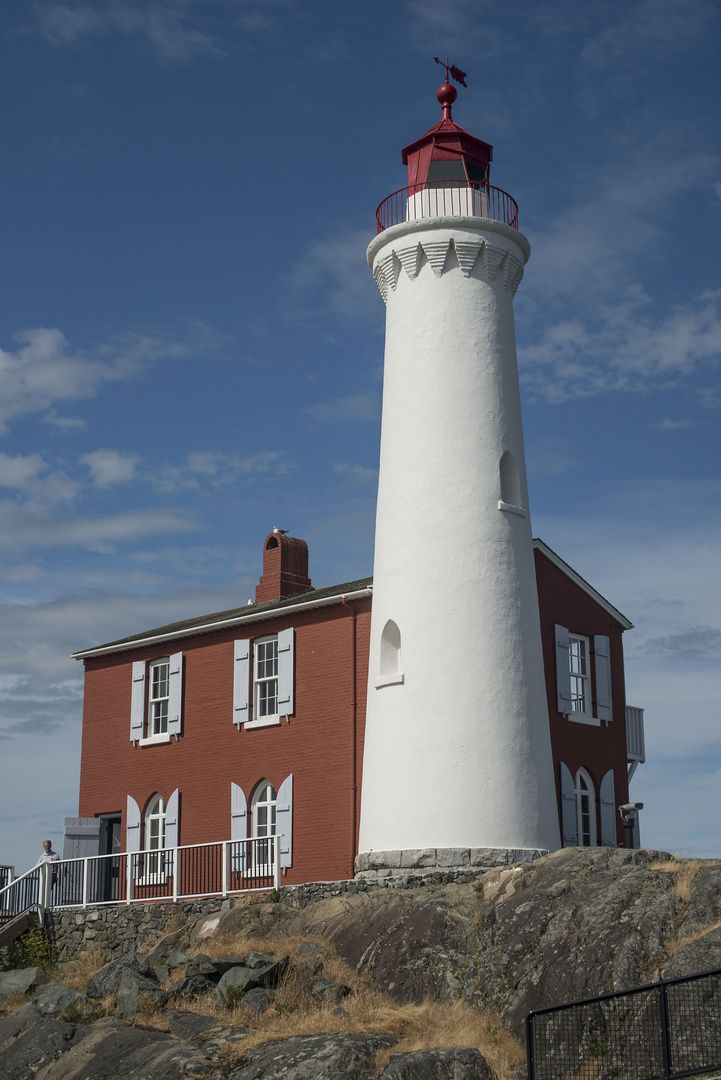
(424,861)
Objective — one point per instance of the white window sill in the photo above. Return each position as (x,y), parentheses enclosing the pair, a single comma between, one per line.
(509,508)
(390,680)
(264,721)
(156,740)
(583,718)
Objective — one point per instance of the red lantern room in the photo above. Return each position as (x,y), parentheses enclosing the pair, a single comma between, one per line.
(447,151)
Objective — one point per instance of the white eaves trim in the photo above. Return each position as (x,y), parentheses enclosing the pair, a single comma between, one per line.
(254,616)
(582,584)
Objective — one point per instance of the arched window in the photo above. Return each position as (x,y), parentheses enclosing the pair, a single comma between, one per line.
(585,809)
(390,649)
(263,813)
(155,839)
(510,481)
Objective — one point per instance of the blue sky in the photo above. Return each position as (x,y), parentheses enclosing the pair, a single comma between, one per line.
(191,341)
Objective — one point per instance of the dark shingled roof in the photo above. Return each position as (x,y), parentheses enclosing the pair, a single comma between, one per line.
(272,607)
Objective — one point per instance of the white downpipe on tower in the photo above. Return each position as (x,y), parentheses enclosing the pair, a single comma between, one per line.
(457,743)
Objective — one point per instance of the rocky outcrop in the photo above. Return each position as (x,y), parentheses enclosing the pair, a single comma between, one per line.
(575,923)
(572,924)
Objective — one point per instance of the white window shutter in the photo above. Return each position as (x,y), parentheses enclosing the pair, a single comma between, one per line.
(568,807)
(608,811)
(175,697)
(602,655)
(137,702)
(241,682)
(284,820)
(238,827)
(132,826)
(563,670)
(172,819)
(286,641)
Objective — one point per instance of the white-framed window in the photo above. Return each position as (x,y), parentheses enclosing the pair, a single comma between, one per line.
(156,699)
(580,673)
(263,825)
(263,679)
(585,810)
(271,814)
(154,868)
(583,676)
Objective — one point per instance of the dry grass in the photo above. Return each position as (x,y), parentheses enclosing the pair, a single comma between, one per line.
(366,1010)
(684,871)
(76,973)
(11,1004)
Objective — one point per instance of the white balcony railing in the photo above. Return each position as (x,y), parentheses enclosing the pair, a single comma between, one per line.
(171,874)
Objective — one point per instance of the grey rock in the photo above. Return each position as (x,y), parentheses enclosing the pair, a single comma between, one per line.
(176,959)
(311,950)
(704,909)
(445,1063)
(30,1009)
(326,990)
(225,963)
(259,999)
(703,954)
(29,1045)
(54,998)
(163,948)
(200,965)
(254,959)
(107,980)
(272,973)
(190,1026)
(318,1057)
(161,972)
(21,981)
(134,990)
(193,986)
(236,980)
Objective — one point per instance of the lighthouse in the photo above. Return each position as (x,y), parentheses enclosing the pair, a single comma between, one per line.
(457,765)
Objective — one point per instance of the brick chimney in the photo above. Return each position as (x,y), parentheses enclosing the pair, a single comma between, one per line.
(285,568)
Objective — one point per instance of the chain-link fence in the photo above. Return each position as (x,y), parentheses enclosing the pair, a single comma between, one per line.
(669,1029)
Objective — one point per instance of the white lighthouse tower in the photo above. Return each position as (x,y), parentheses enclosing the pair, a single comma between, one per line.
(457,755)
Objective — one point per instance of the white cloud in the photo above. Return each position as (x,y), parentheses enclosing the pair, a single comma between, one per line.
(110,467)
(210,469)
(332,279)
(15,472)
(25,528)
(671,423)
(44,371)
(165,29)
(357,475)
(624,346)
(351,407)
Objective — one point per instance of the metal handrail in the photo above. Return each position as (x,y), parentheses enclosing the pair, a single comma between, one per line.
(216,868)
(442,198)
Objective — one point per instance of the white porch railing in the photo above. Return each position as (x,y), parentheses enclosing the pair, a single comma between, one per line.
(635,741)
(170,874)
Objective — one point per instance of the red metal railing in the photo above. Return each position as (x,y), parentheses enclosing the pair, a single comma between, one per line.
(442,198)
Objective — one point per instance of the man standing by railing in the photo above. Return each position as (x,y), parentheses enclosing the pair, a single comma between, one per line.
(50,856)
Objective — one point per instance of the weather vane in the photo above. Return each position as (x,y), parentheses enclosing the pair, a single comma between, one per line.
(458,75)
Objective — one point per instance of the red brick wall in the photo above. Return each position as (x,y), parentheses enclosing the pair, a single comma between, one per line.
(596,749)
(315,745)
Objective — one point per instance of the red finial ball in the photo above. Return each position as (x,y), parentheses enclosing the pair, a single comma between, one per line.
(447,94)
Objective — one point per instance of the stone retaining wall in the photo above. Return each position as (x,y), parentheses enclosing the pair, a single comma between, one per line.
(136,927)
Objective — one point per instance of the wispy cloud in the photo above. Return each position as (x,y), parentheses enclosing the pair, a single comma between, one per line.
(351,407)
(25,528)
(44,370)
(671,423)
(168,30)
(332,279)
(210,469)
(109,467)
